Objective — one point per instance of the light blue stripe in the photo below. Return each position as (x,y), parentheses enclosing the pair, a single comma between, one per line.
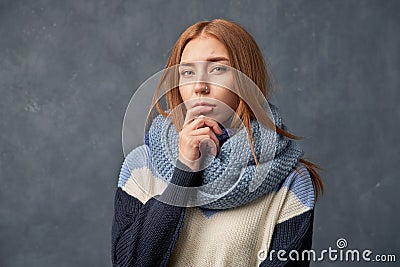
(137,158)
(301,186)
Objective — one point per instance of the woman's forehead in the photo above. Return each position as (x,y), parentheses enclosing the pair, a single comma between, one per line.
(204,49)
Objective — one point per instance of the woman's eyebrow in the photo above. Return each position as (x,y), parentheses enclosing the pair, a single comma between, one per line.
(217,59)
(211,59)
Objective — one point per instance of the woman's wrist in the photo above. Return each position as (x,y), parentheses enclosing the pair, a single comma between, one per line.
(188,165)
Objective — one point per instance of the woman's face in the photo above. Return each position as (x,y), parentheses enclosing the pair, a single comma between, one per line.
(204,64)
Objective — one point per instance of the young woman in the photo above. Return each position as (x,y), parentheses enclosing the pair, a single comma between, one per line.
(266,216)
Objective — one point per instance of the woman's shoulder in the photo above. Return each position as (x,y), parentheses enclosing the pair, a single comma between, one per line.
(300,186)
(136,159)
(138,178)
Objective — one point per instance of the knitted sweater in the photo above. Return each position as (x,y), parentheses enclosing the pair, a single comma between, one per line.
(147,232)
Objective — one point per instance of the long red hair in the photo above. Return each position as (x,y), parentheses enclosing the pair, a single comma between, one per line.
(245,56)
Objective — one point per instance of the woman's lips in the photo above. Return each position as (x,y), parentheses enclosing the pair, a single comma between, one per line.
(206,104)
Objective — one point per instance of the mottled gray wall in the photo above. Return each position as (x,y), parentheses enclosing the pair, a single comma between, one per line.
(69,68)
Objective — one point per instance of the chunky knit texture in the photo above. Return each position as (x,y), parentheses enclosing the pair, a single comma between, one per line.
(148,232)
(234,168)
(236,237)
(151,233)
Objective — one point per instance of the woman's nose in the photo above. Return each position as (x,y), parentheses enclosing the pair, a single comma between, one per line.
(201,88)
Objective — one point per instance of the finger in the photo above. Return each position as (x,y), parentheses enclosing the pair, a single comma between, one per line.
(188,121)
(204,121)
(207,142)
(206,131)
(198,139)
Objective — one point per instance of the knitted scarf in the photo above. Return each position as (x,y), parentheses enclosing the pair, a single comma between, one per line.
(231,179)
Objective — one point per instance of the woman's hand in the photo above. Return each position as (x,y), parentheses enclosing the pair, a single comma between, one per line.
(197,132)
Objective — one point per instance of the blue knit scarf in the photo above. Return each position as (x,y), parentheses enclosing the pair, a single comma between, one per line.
(231,179)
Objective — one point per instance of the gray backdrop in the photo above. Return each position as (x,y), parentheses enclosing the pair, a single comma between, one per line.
(69,68)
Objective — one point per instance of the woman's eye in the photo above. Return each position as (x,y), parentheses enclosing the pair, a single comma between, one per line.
(186,73)
(218,69)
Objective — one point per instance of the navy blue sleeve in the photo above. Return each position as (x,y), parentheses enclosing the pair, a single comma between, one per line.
(293,234)
(145,234)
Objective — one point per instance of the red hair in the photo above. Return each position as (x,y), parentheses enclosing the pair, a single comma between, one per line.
(245,56)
